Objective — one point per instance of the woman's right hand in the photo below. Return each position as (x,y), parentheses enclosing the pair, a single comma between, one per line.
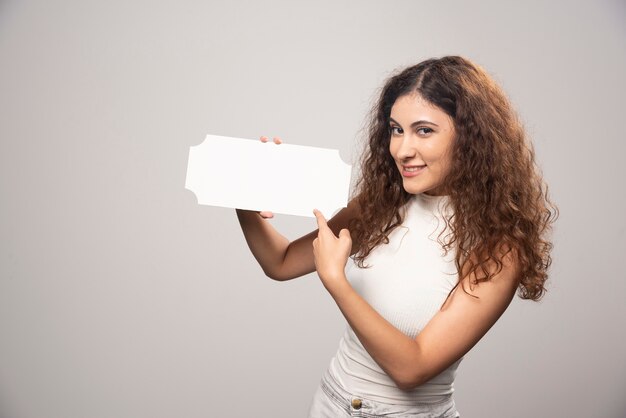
(266,214)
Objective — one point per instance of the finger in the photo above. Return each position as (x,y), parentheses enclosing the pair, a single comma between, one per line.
(266,214)
(321,221)
(264,139)
(277,140)
(344,233)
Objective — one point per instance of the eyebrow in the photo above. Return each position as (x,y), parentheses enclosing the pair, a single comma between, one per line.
(419,122)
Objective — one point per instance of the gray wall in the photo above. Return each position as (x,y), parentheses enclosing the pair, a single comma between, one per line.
(121,297)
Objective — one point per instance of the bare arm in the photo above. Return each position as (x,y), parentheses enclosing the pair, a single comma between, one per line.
(449,335)
(280,259)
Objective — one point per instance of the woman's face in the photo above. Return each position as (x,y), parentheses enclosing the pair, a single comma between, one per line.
(421,144)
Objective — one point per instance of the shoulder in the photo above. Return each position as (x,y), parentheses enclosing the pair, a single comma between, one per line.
(494,278)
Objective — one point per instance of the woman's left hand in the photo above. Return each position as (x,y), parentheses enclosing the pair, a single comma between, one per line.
(331,254)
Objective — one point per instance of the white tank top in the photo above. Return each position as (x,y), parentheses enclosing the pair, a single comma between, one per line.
(407,282)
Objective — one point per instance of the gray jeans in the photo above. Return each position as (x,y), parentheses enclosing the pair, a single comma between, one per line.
(332,401)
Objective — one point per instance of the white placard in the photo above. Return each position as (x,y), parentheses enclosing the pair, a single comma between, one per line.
(250,174)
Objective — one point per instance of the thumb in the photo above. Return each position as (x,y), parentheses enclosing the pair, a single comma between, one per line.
(344,233)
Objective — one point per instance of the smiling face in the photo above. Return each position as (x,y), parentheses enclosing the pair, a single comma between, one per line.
(421,143)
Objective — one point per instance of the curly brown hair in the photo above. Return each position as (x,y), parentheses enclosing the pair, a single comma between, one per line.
(499,199)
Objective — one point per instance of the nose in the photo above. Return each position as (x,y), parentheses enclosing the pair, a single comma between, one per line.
(406,148)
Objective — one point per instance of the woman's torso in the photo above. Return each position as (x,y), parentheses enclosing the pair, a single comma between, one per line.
(407,281)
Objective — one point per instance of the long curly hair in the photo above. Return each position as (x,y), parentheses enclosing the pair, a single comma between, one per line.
(497,193)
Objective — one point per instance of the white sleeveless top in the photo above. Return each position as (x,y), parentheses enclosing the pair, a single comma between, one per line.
(407,281)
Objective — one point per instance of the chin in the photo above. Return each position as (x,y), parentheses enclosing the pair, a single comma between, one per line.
(413,189)
(418,189)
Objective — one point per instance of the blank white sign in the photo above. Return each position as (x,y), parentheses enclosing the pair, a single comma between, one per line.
(250,174)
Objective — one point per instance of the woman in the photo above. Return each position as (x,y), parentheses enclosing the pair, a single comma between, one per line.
(450,217)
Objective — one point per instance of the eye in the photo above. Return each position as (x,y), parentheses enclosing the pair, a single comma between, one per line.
(395,130)
(424,131)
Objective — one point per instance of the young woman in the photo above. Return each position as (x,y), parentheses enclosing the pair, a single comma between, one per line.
(450,217)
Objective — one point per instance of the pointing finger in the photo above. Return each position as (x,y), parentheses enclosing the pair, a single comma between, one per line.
(321,221)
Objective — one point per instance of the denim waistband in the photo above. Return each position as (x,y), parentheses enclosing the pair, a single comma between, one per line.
(358,406)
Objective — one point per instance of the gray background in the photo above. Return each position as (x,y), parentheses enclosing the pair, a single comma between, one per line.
(121,297)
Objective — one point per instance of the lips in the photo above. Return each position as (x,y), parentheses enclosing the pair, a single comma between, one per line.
(412,170)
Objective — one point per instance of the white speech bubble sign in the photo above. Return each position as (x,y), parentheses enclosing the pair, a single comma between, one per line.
(249,174)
